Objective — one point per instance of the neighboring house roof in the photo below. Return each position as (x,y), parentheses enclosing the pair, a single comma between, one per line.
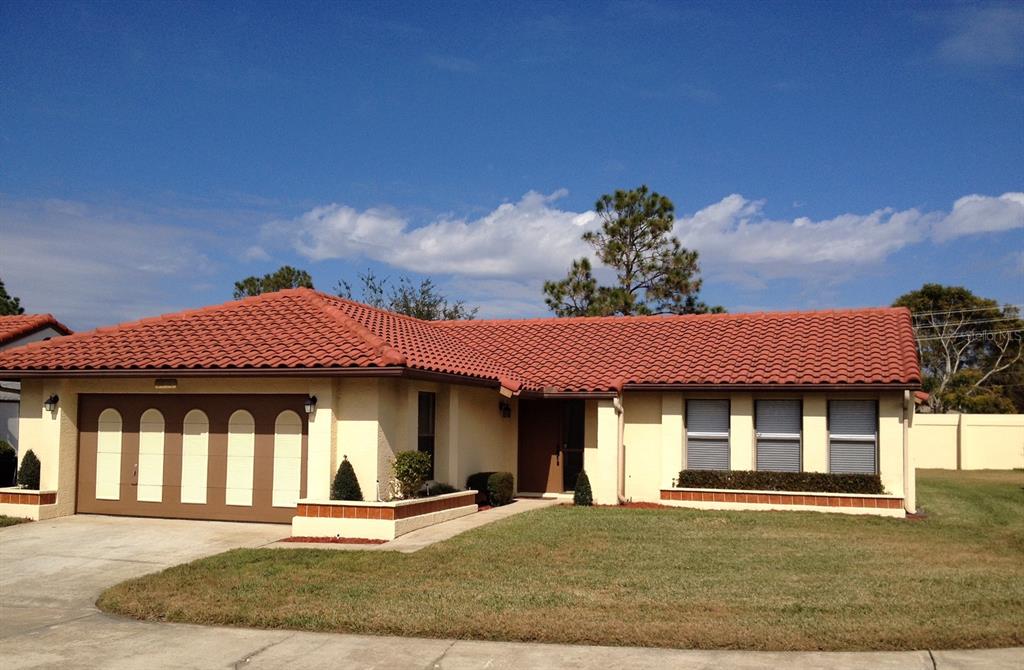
(301,329)
(921,397)
(17,326)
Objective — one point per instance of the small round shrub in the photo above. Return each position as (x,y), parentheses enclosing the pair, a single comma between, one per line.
(438,489)
(412,468)
(8,464)
(500,486)
(28,474)
(346,485)
(582,496)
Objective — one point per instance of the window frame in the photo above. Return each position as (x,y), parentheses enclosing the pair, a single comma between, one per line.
(430,437)
(705,435)
(876,437)
(799,436)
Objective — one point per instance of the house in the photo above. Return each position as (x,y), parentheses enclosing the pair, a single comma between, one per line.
(16,330)
(243,411)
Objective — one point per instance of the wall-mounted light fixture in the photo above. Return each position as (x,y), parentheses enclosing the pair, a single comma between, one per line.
(50,404)
(310,404)
(505,408)
(165,383)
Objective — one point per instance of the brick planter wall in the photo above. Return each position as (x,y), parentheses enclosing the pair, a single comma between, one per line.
(27,503)
(378,520)
(765,500)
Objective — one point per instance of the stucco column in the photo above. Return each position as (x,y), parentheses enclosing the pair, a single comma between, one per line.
(451,469)
(319,448)
(741,432)
(602,462)
(815,433)
(671,437)
(890,442)
(357,434)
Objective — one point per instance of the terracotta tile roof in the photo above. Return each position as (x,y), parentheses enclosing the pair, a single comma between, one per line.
(17,326)
(860,346)
(304,329)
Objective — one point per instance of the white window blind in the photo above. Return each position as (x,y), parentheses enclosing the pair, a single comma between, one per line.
(853,436)
(707,434)
(778,424)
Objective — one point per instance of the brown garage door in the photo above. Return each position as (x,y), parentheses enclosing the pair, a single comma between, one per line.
(221,457)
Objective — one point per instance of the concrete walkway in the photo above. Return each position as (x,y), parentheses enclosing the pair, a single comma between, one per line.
(424,537)
(51,573)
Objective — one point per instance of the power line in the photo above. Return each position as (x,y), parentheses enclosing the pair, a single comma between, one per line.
(968,309)
(967,322)
(970,335)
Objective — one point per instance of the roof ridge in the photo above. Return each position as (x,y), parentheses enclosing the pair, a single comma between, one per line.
(671,317)
(386,353)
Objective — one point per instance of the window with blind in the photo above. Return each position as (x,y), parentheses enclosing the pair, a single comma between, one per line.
(778,424)
(707,434)
(853,436)
(425,426)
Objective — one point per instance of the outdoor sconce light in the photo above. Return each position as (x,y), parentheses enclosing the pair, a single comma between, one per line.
(310,404)
(51,403)
(505,409)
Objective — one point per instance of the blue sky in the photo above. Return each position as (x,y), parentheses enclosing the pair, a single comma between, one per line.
(819,154)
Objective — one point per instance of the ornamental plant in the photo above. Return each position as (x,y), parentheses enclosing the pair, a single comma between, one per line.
(28,475)
(411,470)
(582,496)
(8,463)
(346,485)
(500,486)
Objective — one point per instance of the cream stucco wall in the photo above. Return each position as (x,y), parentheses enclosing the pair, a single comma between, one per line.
(985,441)
(371,419)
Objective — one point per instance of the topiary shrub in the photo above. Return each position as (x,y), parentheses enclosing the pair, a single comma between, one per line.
(8,464)
(760,480)
(478,483)
(346,485)
(411,470)
(28,474)
(582,496)
(500,486)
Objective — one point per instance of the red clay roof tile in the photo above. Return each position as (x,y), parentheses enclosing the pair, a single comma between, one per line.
(16,326)
(301,329)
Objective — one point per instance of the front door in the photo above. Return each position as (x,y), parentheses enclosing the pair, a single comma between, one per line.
(550,445)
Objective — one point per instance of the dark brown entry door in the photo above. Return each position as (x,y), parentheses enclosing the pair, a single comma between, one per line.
(223,457)
(550,445)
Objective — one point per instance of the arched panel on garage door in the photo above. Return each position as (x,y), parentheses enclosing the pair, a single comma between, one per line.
(287,459)
(241,458)
(108,455)
(195,453)
(151,457)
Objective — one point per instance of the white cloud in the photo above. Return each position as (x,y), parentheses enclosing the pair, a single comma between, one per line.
(530,237)
(986,35)
(90,265)
(982,214)
(533,239)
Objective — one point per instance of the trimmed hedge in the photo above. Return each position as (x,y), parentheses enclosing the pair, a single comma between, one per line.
(28,474)
(582,496)
(751,480)
(478,482)
(500,486)
(346,485)
(436,489)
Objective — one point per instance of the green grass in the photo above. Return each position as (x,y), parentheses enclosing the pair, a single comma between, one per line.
(674,578)
(11,521)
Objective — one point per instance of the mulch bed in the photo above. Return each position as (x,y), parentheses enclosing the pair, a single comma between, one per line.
(334,540)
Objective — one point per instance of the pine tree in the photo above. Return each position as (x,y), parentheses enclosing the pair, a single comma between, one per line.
(582,496)
(346,485)
(28,474)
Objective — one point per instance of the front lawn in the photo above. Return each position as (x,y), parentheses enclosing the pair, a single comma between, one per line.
(666,577)
(11,520)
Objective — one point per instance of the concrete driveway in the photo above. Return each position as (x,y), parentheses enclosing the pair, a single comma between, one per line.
(51,573)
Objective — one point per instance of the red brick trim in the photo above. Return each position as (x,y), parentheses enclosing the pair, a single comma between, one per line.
(28,498)
(385,511)
(783,498)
